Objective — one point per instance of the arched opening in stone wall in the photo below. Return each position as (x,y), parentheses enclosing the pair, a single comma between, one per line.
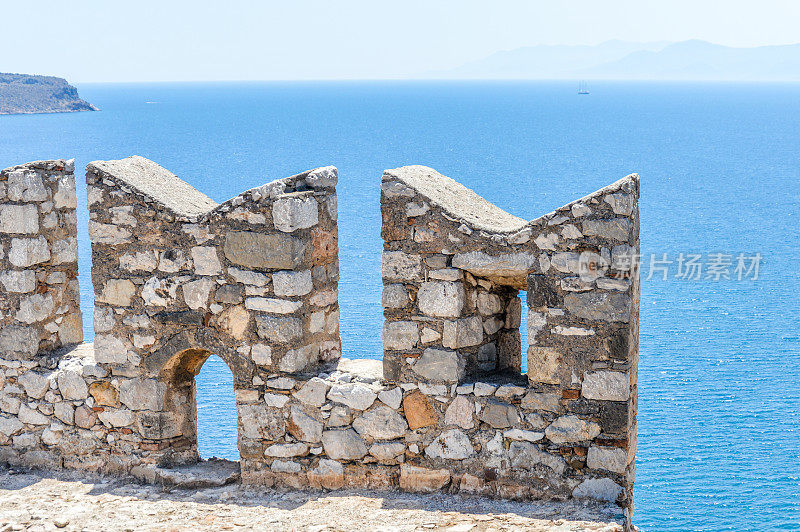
(217,430)
(214,433)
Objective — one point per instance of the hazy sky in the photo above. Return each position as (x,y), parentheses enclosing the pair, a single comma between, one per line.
(164,40)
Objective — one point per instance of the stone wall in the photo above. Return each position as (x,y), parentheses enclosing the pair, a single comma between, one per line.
(254,280)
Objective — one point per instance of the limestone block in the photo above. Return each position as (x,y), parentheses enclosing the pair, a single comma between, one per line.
(611,459)
(418,411)
(19,219)
(72,386)
(328,474)
(303,427)
(460,413)
(566,262)
(354,395)
(70,330)
(19,339)
(30,416)
(195,293)
(394,296)
(104,393)
(117,292)
(122,215)
(10,426)
(420,479)
(34,384)
(234,321)
(603,306)
(499,415)
(275,400)
(621,285)
(65,196)
(142,394)
(35,308)
(173,260)
(571,429)
(543,365)
(523,435)
(381,423)
(392,397)
(247,277)
(116,417)
(292,213)
(439,364)
(264,251)
(501,265)
(272,305)
(26,252)
(606,385)
(299,359)
(387,451)
(343,444)
(489,303)
(441,299)
(614,229)
(261,421)
(290,283)
(230,294)
(65,412)
(548,402)
(146,261)
(26,185)
(261,354)
(603,489)
(18,281)
(286,450)
(399,266)
(400,335)
(451,445)
(313,392)
(463,333)
(526,455)
(206,261)
(84,417)
(109,349)
(110,234)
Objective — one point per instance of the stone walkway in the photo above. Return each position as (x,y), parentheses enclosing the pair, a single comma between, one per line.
(44,501)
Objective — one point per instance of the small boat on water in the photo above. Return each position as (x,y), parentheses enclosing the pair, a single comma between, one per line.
(583,87)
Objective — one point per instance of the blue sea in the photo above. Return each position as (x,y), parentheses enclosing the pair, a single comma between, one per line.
(719,374)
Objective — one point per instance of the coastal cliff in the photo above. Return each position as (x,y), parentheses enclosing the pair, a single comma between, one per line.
(26,94)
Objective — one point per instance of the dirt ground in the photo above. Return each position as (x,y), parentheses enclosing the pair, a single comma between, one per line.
(68,501)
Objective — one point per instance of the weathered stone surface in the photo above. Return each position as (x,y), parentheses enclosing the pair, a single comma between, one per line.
(109,349)
(116,418)
(261,421)
(611,459)
(603,306)
(606,386)
(26,185)
(286,450)
(292,213)
(387,451)
(381,423)
(313,392)
(10,426)
(420,479)
(117,292)
(299,359)
(34,384)
(104,393)
(501,265)
(355,395)
(234,321)
(142,394)
(19,339)
(499,415)
(343,444)
(460,413)
(72,386)
(19,219)
(290,283)
(441,299)
(549,402)
(26,252)
(84,417)
(603,489)
(401,267)
(439,364)
(32,417)
(394,296)
(523,435)
(451,445)
(525,455)
(400,335)
(303,427)
(392,397)
(328,474)
(418,411)
(35,308)
(615,229)
(279,329)
(19,281)
(206,261)
(465,332)
(263,251)
(195,293)
(543,365)
(110,234)
(571,429)
(272,305)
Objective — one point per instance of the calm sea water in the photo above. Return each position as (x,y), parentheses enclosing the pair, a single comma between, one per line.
(719,381)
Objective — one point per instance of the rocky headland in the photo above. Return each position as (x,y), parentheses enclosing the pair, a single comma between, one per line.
(27,94)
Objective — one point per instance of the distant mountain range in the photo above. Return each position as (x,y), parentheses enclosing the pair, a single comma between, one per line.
(687,60)
(24,94)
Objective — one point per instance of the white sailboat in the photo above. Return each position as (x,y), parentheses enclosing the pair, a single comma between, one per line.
(583,87)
